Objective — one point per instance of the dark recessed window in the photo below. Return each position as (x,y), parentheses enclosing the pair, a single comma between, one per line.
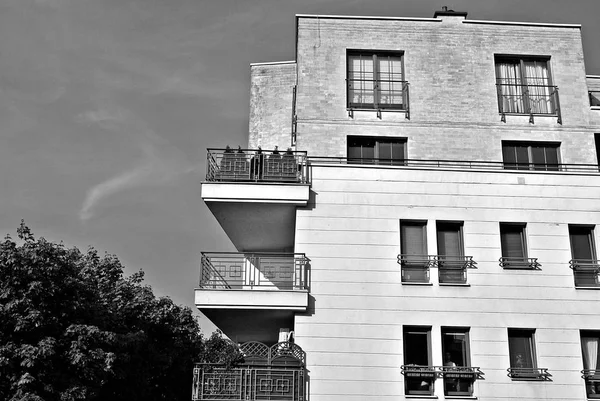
(525,86)
(450,250)
(583,251)
(413,251)
(530,155)
(376,150)
(376,80)
(419,375)
(590,350)
(523,363)
(458,377)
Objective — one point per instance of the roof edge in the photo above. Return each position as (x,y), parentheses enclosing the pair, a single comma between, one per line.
(366,17)
(548,24)
(273,63)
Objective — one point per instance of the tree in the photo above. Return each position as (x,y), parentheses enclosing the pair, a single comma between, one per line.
(73,327)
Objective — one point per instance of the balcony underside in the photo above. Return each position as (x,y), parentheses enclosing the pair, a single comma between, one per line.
(256,217)
(251,324)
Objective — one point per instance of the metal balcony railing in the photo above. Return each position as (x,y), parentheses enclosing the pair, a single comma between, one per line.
(453,269)
(454,164)
(232,270)
(519,263)
(585,272)
(419,379)
(267,373)
(378,94)
(531,100)
(458,380)
(415,268)
(594,98)
(592,382)
(529,373)
(256,165)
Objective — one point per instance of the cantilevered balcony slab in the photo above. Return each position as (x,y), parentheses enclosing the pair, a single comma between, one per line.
(251,299)
(254,196)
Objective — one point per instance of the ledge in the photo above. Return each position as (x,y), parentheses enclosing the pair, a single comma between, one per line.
(251,299)
(460,397)
(587,288)
(547,24)
(454,285)
(428,397)
(297,194)
(418,284)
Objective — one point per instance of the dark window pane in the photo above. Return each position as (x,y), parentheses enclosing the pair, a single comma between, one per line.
(385,152)
(522,153)
(552,157)
(512,240)
(412,241)
(449,241)
(520,346)
(416,348)
(582,246)
(455,348)
(398,151)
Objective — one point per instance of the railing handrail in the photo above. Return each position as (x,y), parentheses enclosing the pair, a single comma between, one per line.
(436,260)
(253,150)
(302,254)
(585,264)
(520,262)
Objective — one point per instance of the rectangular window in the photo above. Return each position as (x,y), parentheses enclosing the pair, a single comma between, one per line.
(591,368)
(413,249)
(583,251)
(376,80)
(376,150)
(458,376)
(530,155)
(451,260)
(514,247)
(521,349)
(594,98)
(419,375)
(525,86)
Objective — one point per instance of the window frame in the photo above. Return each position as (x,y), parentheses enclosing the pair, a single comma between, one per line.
(532,372)
(523,88)
(414,264)
(452,269)
(414,373)
(591,375)
(585,270)
(515,262)
(376,79)
(531,163)
(379,141)
(466,376)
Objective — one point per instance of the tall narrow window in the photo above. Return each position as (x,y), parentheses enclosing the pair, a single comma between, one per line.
(521,348)
(419,375)
(530,155)
(457,372)
(590,341)
(514,247)
(451,259)
(413,251)
(584,264)
(376,150)
(376,81)
(525,86)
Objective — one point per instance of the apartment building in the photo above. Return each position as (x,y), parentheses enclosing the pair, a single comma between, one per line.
(415,215)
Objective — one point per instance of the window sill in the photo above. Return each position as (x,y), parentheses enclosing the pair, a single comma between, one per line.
(455,285)
(349,109)
(428,397)
(417,284)
(460,397)
(529,379)
(587,288)
(594,107)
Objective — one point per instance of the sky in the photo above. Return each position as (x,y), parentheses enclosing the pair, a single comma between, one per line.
(107,108)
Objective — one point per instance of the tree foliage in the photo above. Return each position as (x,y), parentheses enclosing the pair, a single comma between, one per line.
(74,327)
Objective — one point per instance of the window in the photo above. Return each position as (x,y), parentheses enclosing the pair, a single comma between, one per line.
(530,155)
(521,349)
(594,98)
(457,372)
(584,264)
(376,81)
(514,247)
(524,86)
(376,150)
(418,373)
(591,369)
(413,248)
(451,260)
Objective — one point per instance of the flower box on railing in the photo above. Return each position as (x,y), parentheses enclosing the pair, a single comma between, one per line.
(519,263)
(528,374)
(585,272)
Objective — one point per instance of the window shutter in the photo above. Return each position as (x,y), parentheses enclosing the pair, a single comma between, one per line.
(581,242)
(449,243)
(512,243)
(413,239)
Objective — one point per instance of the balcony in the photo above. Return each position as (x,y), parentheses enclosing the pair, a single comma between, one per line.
(415,268)
(519,263)
(252,295)
(530,100)
(268,373)
(585,272)
(458,380)
(592,383)
(452,269)
(537,374)
(254,194)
